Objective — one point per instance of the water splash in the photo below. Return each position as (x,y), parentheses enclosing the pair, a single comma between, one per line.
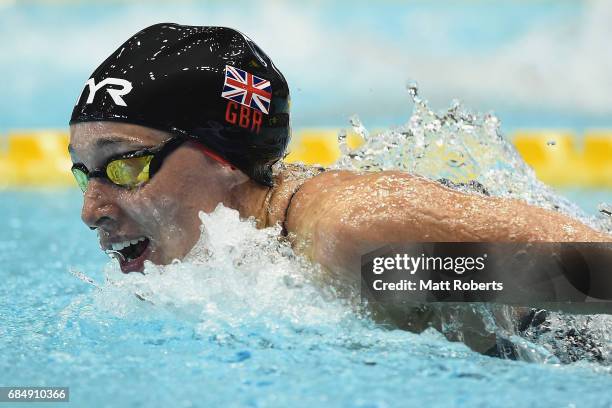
(575,338)
(239,282)
(467,151)
(458,146)
(241,276)
(245,286)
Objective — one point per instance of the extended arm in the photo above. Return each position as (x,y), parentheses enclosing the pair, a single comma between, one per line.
(338,216)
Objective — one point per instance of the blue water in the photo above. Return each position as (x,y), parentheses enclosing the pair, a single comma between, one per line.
(231,346)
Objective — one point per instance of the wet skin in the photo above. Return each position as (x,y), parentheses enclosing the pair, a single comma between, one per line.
(165,209)
(338,216)
(333,218)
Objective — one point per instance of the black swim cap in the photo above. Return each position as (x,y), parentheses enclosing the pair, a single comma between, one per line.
(212,84)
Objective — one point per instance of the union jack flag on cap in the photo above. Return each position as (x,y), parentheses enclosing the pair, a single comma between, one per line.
(247,89)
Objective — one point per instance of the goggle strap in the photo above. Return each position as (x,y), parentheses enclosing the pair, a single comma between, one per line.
(214,155)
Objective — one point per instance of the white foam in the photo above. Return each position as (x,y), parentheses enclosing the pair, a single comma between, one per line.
(235,275)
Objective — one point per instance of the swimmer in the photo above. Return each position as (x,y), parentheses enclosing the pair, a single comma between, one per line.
(181,118)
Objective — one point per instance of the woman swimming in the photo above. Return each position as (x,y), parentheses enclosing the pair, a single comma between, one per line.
(181,118)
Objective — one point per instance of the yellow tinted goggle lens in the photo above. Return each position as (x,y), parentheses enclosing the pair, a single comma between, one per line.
(81,179)
(129,172)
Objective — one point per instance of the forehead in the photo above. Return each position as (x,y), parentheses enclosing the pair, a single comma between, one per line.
(92,140)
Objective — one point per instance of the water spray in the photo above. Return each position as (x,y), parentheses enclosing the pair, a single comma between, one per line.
(115,255)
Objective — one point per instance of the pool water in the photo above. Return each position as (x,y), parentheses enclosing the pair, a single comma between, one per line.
(241,326)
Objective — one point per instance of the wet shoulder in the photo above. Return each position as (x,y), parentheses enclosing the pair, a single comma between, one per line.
(341,184)
(288,179)
(337,195)
(325,195)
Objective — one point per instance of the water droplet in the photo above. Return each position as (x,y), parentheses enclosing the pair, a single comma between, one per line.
(413,89)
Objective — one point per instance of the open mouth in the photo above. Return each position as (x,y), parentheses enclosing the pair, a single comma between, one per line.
(131,254)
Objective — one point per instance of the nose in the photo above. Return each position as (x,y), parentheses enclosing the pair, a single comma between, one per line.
(99,208)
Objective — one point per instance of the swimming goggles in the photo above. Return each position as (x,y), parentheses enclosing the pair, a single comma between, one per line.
(130,169)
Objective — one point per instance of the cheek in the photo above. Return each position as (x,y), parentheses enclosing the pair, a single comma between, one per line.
(166,207)
(155,211)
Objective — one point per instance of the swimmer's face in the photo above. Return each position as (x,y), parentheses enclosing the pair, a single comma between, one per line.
(162,214)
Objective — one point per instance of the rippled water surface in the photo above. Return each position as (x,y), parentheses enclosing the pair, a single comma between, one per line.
(241,325)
